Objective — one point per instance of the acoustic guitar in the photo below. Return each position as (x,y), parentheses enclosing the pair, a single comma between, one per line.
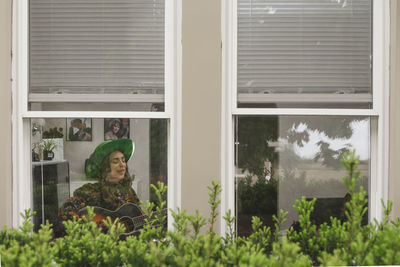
(129,214)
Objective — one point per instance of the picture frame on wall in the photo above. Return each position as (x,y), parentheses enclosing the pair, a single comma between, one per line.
(116,128)
(79,129)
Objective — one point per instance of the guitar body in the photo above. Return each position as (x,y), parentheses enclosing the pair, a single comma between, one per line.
(126,215)
(129,214)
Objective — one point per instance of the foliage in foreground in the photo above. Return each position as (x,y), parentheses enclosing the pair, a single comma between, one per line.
(334,243)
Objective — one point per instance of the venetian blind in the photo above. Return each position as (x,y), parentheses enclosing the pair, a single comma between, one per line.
(97,46)
(304,46)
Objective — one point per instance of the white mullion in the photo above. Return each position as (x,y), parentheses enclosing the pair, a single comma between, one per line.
(385,115)
(305,98)
(232,48)
(22,55)
(232,91)
(22,187)
(171,171)
(373,192)
(224,111)
(22,195)
(169,55)
(377,59)
(381,50)
(227,105)
(96,114)
(304,111)
(174,106)
(177,114)
(96,98)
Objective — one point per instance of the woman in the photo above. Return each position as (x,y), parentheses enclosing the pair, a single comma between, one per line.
(107,164)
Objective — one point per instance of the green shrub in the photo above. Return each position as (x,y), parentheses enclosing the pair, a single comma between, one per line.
(86,245)
(23,247)
(348,242)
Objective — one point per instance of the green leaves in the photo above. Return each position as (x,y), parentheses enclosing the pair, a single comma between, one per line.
(351,242)
(347,242)
(306,237)
(214,202)
(23,247)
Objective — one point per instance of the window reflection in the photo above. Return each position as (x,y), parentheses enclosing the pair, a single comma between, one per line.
(281,158)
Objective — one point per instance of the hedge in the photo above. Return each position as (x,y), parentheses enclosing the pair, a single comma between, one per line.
(194,242)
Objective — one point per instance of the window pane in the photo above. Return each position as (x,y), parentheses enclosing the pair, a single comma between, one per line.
(67,171)
(320,49)
(96,47)
(281,158)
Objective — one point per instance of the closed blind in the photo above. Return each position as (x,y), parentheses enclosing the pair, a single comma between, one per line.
(97,46)
(304,46)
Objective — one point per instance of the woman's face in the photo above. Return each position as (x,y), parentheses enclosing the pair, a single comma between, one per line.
(116,128)
(117,167)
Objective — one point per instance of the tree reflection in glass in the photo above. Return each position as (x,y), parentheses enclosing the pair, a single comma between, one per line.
(281,158)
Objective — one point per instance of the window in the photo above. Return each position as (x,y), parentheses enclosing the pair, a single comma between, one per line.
(91,50)
(304,82)
(305,53)
(56,176)
(282,158)
(90,71)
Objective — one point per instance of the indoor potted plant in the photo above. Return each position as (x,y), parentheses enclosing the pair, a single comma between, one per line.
(56,135)
(48,146)
(44,149)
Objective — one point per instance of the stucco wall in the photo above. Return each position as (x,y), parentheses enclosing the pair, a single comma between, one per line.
(201,101)
(5,111)
(394,152)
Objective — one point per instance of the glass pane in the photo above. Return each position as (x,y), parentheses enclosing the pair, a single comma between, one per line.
(281,158)
(79,171)
(92,47)
(296,53)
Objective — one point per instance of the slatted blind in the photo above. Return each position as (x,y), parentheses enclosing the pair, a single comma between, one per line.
(304,46)
(97,46)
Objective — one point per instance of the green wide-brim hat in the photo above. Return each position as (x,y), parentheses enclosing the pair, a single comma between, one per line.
(93,165)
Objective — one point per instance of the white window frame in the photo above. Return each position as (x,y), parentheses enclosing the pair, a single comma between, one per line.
(379,114)
(22,181)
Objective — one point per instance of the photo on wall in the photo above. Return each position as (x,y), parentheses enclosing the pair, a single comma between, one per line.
(79,129)
(116,128)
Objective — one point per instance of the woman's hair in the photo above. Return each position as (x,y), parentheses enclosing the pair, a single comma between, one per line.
(105,169)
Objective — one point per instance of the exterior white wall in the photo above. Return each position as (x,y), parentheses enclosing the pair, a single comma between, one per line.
(394,139)
(201,101)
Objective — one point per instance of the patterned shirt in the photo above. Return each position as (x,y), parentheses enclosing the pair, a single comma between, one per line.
(102,194)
